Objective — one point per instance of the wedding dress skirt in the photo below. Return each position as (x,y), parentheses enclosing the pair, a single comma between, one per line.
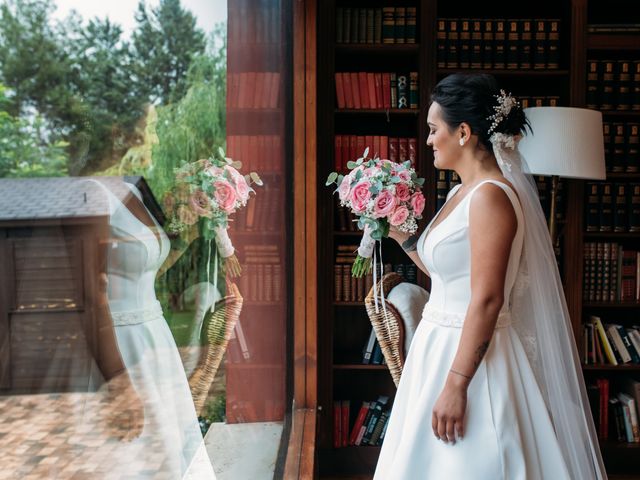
(508,433)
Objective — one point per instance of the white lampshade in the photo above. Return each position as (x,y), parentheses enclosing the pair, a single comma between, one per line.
(567,142)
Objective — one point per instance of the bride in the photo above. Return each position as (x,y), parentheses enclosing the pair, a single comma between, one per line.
(492,386)
(153,411)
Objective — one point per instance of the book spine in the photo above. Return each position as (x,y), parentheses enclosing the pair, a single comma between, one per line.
(403,91)
(370,26)
(540,45)
(464,48)
(499,36)
(606,207)
(393,89)
(487,44)
(634,207)
(525,42)
(388,25)
(413,90)
(410,27)
(513,42)
(452,43)
(476,44)
(377,29)
(553,44)
(364,409)
(441,43)
(633,147)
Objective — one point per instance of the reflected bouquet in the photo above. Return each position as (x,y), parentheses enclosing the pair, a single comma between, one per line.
(209,191)
(381,194)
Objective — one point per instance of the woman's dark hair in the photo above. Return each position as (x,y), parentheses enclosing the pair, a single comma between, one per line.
(470,98)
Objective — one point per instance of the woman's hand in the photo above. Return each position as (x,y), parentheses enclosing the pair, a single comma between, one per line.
(448,415)
(124,409)
(397,235)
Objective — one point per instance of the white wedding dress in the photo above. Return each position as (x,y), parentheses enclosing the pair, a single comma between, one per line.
(508,431)
(171,444)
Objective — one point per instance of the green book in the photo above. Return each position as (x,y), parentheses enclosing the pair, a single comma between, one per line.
(388,24)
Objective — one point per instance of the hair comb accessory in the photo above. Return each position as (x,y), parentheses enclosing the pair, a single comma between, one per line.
(505,103)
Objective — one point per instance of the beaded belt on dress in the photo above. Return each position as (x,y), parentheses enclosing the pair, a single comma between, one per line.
(134,317)
(456,320)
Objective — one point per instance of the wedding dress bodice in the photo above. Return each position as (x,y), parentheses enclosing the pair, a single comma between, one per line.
(445,251)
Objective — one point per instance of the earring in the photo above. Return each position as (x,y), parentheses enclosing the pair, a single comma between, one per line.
(462,142)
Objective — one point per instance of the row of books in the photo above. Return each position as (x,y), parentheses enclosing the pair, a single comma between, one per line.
(260,153)
(376,90)
(263,213)
(350,147)
(369,426)
(612,207)
(539,101)
(613,28)
(249,25)
(610,273)
(621,146)
(351,289)
(261,279)
(616,413)
(613,84)
(610,343)
(253,90)
(498,43)
(371,351)
(376,25)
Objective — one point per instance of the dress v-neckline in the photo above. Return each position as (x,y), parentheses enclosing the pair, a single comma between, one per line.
(157,237)
(433,225)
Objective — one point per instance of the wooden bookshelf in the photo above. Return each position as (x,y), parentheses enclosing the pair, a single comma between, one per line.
(340,376)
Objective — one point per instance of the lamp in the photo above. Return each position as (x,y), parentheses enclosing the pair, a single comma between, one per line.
(566,142)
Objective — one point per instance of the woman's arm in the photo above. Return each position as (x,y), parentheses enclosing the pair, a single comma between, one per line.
(492,227)
(409,243)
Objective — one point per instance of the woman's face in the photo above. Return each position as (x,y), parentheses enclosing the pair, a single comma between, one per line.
(445,143)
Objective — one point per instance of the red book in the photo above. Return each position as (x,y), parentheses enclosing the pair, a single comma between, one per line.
(262,78)
(371,84)
(360,146)
(251,89)
(403,149)
(337,423)
(355,88)
(277,154)
(368,142)
(359,421)
(353,150)
(275,90)
(413,152)
(346,148)
(364,89)
(378,81)
(254,153)
(244,142)
(348,89)
(384,147)
(337,161)
(265,100)
(242,90)
(345,423)
(393,149)
(376,147)
(386,90)
(340,91)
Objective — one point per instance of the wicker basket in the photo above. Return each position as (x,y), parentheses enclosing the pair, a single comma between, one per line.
(219,326)
(389,327)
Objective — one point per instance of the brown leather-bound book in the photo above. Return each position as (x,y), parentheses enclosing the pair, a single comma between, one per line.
(337,277)
(346,282)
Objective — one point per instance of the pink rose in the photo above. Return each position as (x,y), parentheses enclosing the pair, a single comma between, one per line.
(242,188)
(402,192)
(200,203)
(417,203)
(345,188)
(399,216)
(404,175)
(384,205)
(360,196)
(225,195)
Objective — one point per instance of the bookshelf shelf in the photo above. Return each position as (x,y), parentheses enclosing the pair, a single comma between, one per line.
(611,305)
(506,72)
(378,111)
(612,235)
(377,49)
(355,366)
(612,368)
(348,304)
(621,113)
(623,176)
(612,41)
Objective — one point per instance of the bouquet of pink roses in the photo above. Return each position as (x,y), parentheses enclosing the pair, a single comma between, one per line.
(209,190)
(382,194)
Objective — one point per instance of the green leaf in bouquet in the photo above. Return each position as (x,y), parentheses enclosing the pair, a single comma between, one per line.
(340,179)
(221,152)
(351,165)
(256,178)
(358,175)
(406,164)
(366,152)
(419,181)
(384,228)
(237,164)
(396,180)
(359,161)
(376,235)
(331,178)
(374,189)
(361,223)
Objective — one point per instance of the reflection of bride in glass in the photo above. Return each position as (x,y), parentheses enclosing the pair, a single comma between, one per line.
(138,352)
